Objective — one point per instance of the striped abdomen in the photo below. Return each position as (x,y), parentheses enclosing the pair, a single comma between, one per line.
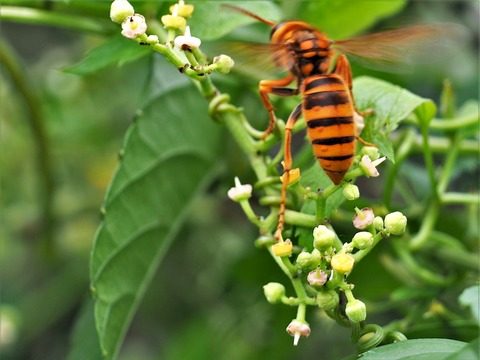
(328,111)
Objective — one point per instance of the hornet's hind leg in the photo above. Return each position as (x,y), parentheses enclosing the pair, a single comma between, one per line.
(287,166)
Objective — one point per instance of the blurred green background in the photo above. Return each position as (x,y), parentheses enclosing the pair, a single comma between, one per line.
(59,151)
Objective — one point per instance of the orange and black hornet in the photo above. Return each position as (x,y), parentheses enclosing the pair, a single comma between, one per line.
(323,78)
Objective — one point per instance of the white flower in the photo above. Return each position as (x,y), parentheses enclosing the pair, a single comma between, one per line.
(120,9)
(298,328)
(240,192)
(317,277)
(134,26)
(369,167)
(363,218)
(186,41)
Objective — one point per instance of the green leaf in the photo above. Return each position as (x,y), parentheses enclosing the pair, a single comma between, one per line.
(84,340)
(470,297)
(468,352)
(211,21)
(169,156)
(390,104)
(340,19)
(418,349)
(116,50)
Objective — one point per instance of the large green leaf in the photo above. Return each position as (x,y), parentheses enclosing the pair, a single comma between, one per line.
(390,104)
(167,158)
(211,21)
(116,50)
(84,339)
(418,349)
(341,19)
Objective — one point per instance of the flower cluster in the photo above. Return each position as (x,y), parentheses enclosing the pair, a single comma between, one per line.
(323,271)
(178,37)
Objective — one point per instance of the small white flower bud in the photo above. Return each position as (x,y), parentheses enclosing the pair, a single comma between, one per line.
(304,260)
(224,63)
(120,10)
(356,311)
(274,292)
(395,223)
(372,152)
(323,237)
(378,223)
(152,39)
(351,192)
(362,240)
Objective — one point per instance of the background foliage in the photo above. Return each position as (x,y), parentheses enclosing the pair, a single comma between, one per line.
(61,136)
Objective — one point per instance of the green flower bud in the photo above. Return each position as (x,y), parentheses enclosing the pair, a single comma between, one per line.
(224,63)
(120,10)
(362,240)
(323,237)
(395,223)
(356,311)
(274,292)
(327,299)
(351,192)
(371,151)
(378,223)
(305,261)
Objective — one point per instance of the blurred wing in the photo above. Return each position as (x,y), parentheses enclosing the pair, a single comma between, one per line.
(258,60)
(405,46)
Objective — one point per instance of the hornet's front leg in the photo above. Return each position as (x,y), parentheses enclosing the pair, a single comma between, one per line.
(275,87)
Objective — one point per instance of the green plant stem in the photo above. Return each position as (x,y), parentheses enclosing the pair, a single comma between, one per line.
(417,270)
(428,223)
(460,198)
(400,156)
(449,163)
(43,17)
(441,145)
(37,124)
(454,124)
(300,219)
(452,250)
(428,158)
